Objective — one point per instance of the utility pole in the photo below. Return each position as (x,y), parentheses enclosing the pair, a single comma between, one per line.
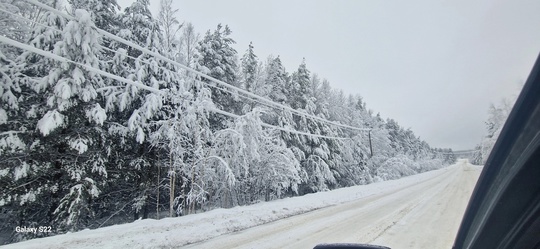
(370,147)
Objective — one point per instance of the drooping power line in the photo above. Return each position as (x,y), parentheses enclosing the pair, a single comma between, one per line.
(157,55)
(133,83)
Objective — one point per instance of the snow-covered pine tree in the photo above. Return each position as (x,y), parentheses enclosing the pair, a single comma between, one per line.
(323,95)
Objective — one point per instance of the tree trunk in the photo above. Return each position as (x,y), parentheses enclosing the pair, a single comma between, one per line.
(157,199)
(171,194)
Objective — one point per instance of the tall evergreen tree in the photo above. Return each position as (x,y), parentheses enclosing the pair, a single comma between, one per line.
(103,12)
(24,151)
(276,78)
(218,59)
(299,88)
(76,111)
(249,68)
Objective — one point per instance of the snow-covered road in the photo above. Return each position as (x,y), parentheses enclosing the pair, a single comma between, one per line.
(424,215)
(419,211)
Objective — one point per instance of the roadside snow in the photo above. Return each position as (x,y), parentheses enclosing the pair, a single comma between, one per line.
(194,228)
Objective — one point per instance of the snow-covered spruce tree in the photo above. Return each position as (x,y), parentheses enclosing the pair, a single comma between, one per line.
(298,98)
(353,166)
(477,155)
(104,15)
(67,149)
(356,153)
(253,78)
(321,176)
(322,95)
(249,68)
(394,135)
(218,58)
(155,132)
(29,177)
(276,79)
(138,162)
(103,12)
(312,152)
(299,87)
(14,143)
(270,83)
(326,148)
(72,126)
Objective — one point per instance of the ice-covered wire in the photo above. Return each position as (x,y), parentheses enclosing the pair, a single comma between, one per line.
(60,31)
(157,55)
(276,127)
(52,56)
(27,19)
(87,67)
(210,85)
(115,77)
(142,61)
(235,93)
(268,125)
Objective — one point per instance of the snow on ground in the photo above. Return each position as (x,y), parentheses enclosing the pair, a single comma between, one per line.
(418,216)
(190,229)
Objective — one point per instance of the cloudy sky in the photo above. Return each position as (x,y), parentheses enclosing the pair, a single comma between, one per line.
(434,66)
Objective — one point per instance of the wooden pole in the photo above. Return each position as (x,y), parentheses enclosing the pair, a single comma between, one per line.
(370,147)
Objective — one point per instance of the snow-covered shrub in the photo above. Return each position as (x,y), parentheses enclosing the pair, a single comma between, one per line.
(395,167)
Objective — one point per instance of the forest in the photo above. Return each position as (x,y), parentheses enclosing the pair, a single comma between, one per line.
(100,132)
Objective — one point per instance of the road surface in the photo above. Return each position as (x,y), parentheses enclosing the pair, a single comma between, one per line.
(424,215)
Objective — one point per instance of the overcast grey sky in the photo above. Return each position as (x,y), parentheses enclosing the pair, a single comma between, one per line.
(433,66)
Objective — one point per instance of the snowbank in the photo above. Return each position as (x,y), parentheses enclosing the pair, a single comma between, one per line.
(175,232)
